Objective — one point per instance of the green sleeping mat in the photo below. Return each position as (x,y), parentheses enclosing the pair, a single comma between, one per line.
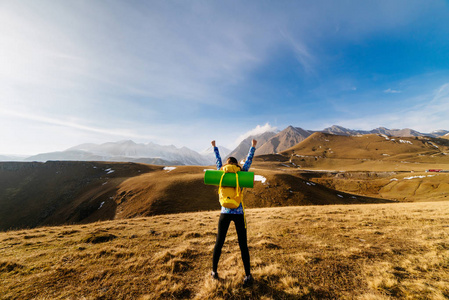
(246,179)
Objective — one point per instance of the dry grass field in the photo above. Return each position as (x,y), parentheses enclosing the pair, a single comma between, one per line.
(370,251)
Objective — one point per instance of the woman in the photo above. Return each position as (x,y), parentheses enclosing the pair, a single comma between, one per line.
(227,215)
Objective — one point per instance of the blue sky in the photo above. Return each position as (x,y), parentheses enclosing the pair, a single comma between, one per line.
(186,72)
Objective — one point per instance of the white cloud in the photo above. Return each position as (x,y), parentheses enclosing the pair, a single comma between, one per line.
(121,69)
(76,124)
(391,91)
(302,53)
(255,131)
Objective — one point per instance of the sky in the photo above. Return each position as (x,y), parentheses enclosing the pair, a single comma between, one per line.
(184,73)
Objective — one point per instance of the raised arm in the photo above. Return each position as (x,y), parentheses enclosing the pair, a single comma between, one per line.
(249,158)
(217,156)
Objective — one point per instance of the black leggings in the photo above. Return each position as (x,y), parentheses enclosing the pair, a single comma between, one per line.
(223,225)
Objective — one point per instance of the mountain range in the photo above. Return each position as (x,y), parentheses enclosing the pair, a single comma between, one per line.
(277,142)
(151,153)
(128,151)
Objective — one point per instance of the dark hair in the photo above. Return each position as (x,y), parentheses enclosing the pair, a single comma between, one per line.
(232,160)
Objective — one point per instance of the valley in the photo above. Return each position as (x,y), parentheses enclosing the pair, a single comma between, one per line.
(362,207)
(322,169)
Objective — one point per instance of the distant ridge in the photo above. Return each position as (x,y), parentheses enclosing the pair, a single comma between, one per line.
(339,130)
(127,151)
(151,153)
(11,158)
(406,132)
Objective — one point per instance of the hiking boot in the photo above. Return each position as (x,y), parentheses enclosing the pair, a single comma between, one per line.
(214,275)
(248,281)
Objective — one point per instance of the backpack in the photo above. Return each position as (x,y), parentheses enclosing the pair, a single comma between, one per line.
(230,197)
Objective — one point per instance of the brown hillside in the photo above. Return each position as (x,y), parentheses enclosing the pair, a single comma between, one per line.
(369,165)
(399,186)
(369,152)
(183,190)
(81,192)
(165,192)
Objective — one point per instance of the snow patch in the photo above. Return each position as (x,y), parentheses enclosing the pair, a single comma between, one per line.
(168,169)
(405,142)
(260,178)
(109,171)
(340,196)
(433,145)
(101,205)
(393,179)
(421,176)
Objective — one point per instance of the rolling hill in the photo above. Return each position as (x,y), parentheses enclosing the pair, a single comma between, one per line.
(322,169)
(369,152)
(371,165)
(51,193)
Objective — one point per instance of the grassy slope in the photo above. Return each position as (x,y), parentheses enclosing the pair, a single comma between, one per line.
(369,153)
(374,167)
(312,252)
(183,190)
